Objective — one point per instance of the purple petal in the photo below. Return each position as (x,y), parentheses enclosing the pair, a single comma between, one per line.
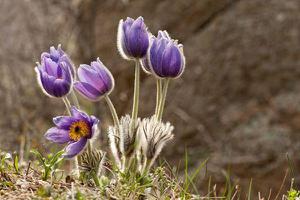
(90,76)
(172,61)
(75,148)
(79,114)
(50,66)
(54,54)
(87,91)
(65,59)
(61,88)
(64,122)
(57,135)
(94,123)
(138,39)
(47,82)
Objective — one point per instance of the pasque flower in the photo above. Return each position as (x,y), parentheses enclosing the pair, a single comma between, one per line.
(95,80)
(55,73)
(75,130)
(133,39)
(166,58)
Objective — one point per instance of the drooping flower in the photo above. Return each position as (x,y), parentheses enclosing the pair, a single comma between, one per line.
(166,56)
(95,80)
(133,39)
(55,73)
(75,130)
(152,136)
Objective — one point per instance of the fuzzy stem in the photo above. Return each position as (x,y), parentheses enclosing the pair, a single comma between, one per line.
(158,94)
(136,95)
(67,104)
(116,124)
(74,99)
(113,111)
(163,99)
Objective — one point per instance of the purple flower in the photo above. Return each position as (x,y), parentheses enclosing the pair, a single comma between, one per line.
(166,58)
(133,39)
(75,130)
(95,80)
(55,73)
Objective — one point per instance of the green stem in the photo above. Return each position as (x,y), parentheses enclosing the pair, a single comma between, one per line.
(136,95)
(113,111)
(163,99)
(67,104)
(96,179)
(74,99)
(158,94)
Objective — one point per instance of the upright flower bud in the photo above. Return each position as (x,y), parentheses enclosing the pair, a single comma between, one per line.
(54,74)
(95,80)
(166,56)
(133,39)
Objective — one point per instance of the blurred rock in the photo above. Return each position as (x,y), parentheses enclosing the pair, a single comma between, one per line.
(237,102)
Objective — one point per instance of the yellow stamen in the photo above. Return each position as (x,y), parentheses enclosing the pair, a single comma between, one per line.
(78,130)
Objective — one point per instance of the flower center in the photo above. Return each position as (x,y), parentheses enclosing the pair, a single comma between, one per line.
(78,130)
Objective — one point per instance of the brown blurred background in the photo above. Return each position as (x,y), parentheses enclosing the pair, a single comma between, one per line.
(238,102)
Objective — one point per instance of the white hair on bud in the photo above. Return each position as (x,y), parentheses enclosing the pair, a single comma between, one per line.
(39,80)
(152,136)
(120,36)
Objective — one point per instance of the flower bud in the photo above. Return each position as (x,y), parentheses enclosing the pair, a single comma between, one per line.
(166,58)
(133,39)
(95,81)
(54,74)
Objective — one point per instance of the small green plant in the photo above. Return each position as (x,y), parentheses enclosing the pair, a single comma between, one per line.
(50,162)
(4,157)
(293,194)
(16,164)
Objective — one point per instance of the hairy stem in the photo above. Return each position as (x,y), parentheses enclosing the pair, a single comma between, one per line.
(74,99)
(136,95)
(67,104)
(113,111)
(158,94)
(163,99)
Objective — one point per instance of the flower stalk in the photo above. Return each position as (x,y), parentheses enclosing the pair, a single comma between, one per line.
(162,99)
(158,94)
(136,95)
(112,110)
(74,99)
(67,104)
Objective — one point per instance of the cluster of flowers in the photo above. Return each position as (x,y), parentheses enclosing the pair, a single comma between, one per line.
(130,137)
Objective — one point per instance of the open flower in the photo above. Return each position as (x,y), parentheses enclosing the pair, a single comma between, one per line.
(95,80)
(133,39)
(75,130)
(166,56)
(55,73)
